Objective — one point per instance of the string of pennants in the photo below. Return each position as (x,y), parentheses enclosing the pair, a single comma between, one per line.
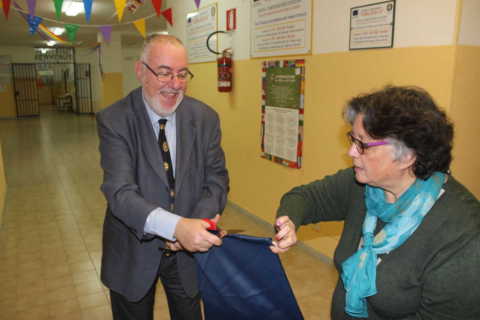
(35,22)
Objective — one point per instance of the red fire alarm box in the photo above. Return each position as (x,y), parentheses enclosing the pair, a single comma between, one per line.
(231,19)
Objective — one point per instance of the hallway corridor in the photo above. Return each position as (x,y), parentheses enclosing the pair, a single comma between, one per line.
(50,241)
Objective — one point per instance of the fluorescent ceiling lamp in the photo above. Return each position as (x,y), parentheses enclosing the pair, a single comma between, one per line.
(72,8)
(57,30)
(191,15)
(158,32)
(51,43)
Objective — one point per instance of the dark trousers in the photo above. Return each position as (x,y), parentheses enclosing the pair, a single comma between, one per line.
(180,305)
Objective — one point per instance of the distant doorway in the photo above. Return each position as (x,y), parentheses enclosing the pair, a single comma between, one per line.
(26,89)
(55,82)
(83,86)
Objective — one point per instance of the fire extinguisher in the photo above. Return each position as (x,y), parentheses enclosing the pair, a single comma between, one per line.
(224,66)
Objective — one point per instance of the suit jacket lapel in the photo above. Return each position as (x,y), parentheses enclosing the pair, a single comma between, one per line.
(147,136)
(185,140)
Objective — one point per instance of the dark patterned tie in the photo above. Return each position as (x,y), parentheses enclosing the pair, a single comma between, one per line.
(167,160)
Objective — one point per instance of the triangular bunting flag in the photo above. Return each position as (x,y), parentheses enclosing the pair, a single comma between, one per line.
(71,32)
(106,33)
(197,3)
(167,14)
(6,7)
(58,8)
(87,4)
(120,6)
(157,4)
(33,22)
(140,25)
(31,7)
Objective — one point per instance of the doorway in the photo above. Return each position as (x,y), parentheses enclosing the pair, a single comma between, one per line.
(55,82)
(26,89)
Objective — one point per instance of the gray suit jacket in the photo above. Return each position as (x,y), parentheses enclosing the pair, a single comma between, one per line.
(135,183)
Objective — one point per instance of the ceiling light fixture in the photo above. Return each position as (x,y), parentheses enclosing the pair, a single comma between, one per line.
(50,43)
(72,8)
(191,15)
(57,30)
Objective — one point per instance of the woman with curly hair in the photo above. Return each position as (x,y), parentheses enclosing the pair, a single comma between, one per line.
(410,247)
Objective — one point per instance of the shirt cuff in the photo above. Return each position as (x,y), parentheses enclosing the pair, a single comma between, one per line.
(162,223)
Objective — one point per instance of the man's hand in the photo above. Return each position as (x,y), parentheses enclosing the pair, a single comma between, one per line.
(192,234)
(286,235)
(173,246)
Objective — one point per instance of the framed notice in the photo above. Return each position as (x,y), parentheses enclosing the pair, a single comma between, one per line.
(280,27)
(372,26)
(199,25)
(282,111)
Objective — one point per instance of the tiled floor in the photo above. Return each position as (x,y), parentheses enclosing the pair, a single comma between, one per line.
(50,242)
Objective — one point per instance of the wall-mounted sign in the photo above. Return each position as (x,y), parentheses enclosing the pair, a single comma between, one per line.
(55,55)
(371,26)
(199,25)
(282,111)
(280,27)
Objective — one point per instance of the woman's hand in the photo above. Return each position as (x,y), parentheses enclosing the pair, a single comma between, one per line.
(285,236)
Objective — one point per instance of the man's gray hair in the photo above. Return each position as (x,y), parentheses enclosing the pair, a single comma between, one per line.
(158,38)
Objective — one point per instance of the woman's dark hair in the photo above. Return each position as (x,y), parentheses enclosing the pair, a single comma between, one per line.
(408,115)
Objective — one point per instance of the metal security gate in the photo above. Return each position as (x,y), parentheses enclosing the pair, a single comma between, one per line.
(83,86)
(25,86)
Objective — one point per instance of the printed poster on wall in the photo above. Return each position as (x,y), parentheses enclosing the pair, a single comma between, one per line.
(199,25)
(280,27)
(371,26)
(282,111)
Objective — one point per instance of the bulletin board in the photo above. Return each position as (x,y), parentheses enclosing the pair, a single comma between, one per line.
(283,111)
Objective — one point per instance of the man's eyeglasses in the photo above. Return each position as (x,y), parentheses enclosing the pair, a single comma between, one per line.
(165,74)
(362,146)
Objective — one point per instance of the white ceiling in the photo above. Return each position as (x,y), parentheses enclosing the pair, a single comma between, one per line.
(15,30)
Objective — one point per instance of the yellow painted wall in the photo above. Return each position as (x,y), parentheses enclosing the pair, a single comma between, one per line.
(465,113)
(330,80)
(7,107)
(112,83)
(3,186)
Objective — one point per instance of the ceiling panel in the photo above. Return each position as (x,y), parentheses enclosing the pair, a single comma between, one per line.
(14,31)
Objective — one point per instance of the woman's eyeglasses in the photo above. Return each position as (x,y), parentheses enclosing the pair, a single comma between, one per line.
(362,146)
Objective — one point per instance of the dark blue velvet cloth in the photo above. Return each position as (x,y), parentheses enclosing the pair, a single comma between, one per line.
(242,279)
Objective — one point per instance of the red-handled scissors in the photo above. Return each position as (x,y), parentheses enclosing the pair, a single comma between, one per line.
(213,225)
(222,232)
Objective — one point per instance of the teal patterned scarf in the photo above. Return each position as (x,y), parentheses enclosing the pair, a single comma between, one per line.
(402,218)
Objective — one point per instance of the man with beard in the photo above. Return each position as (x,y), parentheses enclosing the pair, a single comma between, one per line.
(164,172)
